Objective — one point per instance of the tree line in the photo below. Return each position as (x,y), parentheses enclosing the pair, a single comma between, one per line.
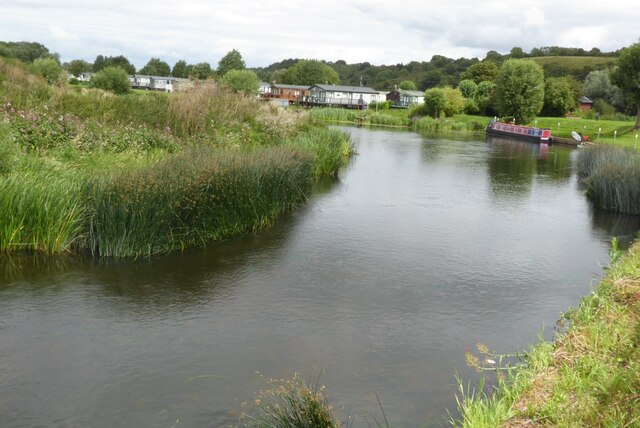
(470,84)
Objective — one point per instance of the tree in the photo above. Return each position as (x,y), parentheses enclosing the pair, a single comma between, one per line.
(231,61)
(156,67)
(468,88)
(112,79)
(432,78)
(598,86)
(310,72)
(408,85)
(434,102)
(520,89)
(180,69)
(627,76)
(48,68)
(24,51)
(485,98)
(481,71)
(120,61)
(558,97)
(454,101)
(278,76)
(201,71)
(517,52)
(242,81)
(493,56)
(78,66)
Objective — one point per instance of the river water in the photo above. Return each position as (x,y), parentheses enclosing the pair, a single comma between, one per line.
(421,249)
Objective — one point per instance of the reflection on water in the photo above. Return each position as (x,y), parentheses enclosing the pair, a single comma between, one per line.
(423,247)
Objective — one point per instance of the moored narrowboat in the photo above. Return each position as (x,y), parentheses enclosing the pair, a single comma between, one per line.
(528,133)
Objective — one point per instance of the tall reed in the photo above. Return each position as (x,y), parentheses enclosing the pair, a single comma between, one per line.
(612,177)
(331,147)
(375,118)
(334,114)
(40,212)
(194,197)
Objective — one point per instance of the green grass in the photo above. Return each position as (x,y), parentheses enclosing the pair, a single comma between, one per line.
(599,131)
(146,173)
(291,403)
(589,376)
(40,211)
(612,177)
(331,149)
(192,198)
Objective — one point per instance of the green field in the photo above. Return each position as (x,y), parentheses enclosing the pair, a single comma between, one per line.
(578,66)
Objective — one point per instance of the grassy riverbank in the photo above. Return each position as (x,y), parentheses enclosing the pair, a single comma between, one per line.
(589,376)
(87,171)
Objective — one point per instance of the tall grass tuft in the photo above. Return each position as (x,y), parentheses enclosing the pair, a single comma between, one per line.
(40,212)
(292,403)
(199,195)
(331,147)
(386,119)
(19,87)
(429,124)
(612,177)
(208,107)
(334,114)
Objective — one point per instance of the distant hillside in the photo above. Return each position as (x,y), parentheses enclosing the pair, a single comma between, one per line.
(577,66)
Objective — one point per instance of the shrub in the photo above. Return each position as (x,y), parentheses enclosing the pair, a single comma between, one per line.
(48,68)
(245,81)
(112,79)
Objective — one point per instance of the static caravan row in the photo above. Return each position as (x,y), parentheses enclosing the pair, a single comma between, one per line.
(401,98)
(158,83)
(356,97)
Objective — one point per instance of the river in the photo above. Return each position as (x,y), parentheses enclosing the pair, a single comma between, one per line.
(422,248)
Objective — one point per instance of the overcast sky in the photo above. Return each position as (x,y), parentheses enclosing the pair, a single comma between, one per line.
(379,32)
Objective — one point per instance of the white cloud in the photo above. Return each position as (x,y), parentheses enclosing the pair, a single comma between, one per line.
(354,30)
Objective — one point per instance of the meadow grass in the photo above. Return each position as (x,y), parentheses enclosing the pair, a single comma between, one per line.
(598,131)
(335,114)
(147,173)
(611,176)
(588,376)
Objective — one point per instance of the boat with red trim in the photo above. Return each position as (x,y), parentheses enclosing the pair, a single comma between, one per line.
(528,133)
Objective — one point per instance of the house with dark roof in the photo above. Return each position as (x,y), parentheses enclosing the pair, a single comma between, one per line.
(356,97)
(585,104)
(401,98)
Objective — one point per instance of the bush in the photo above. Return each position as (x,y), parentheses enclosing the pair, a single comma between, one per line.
(379,105)
(245,81)
(112,79)
(48,68)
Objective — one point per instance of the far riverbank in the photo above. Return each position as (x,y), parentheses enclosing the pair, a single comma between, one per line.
(616,132)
